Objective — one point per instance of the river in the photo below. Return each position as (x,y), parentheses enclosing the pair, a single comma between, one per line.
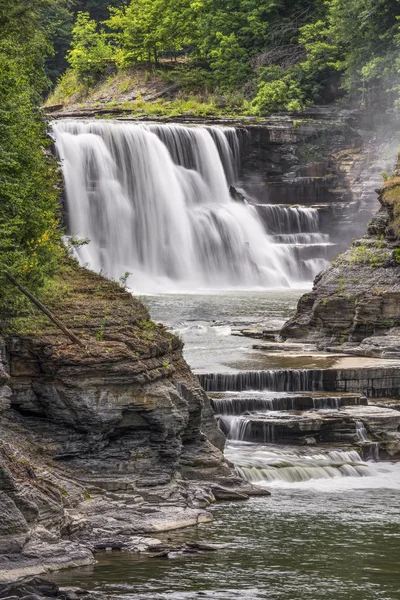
(328,537)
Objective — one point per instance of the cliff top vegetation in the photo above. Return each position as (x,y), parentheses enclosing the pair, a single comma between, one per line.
(255,57)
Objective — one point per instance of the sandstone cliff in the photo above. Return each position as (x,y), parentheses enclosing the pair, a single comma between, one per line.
(355,302)
(103,444)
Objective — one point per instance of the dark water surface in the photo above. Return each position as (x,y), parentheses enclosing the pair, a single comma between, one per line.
(322,539)
(301,543)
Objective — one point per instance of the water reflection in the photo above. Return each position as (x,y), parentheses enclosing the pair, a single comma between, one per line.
(298,544)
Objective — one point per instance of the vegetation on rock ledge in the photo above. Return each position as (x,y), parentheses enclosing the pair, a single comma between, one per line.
(271,56)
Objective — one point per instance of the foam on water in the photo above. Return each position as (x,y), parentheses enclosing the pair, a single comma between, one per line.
(325,471)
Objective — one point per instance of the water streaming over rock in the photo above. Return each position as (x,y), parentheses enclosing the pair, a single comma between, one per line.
(259,464)
(262,412)
(234,403)
(278,380)
(372,452)
(154,200)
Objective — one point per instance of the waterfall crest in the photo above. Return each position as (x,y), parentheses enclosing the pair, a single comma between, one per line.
(154,200)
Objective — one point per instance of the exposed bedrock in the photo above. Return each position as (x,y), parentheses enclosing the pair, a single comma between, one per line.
(355,302)
(353,408)
(100,445)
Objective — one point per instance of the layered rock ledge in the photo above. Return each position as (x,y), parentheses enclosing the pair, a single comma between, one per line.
(103,444)
(355,302)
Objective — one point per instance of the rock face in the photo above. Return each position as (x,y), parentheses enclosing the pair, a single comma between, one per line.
(355,302)
(99,444)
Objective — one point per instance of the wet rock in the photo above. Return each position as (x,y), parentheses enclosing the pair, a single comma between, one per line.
(202,546)
(100,446)
(222,494)
(31,587)
(236,195)
(355,303)
(163,554)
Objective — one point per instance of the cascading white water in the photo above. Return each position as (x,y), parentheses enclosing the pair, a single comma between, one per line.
(259,464)
(361,432)
(154,201)
(278,380)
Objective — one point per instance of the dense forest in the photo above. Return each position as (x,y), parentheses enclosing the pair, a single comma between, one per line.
(277,54)
(261,55)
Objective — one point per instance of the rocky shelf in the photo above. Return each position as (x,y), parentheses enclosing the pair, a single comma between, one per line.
(355,303)
(103,444)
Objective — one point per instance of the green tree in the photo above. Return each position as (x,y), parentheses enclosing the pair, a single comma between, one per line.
(97,9)
(364,32)
(91,53)
(29,176)
(146,29)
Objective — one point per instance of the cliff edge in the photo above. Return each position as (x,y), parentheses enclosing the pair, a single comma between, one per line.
(355,302)
(102,444)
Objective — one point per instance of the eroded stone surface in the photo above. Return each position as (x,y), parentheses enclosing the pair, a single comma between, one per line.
(355,303)
(103,444)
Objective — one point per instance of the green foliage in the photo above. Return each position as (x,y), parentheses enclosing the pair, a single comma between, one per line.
(375,257)
(29,176)
(147,28)
(97,9)
(90,54)
(279,92)
(229,61)
(281,54)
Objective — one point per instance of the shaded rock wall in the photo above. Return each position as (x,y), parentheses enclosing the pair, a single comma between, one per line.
(355,303)
(285,160)
(98,445)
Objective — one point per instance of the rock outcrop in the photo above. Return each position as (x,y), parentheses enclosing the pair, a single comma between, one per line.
(355,302)
(101,444)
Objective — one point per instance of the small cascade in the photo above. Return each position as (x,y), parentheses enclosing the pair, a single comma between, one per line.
(328,403)
(277,380)
(281,219)
(361,432)
(154,201)
(242,403)
(242,429)
(297,229)
(259,465)
(264,413)
(372,450)
(373,453)
(237,403)
(304,239)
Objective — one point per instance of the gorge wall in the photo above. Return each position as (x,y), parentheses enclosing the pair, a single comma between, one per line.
(104,443)
(355,302)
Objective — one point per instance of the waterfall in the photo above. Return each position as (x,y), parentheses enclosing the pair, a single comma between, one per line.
(266,465)
(237,403)
(240,404)
(242,429)
(154,201)
(278,380)
(362,436)
(361,432)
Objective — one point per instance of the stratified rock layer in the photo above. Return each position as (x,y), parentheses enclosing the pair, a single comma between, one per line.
(355,302)
(99,444)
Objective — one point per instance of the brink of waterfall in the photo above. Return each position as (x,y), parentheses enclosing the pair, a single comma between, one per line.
(154,201)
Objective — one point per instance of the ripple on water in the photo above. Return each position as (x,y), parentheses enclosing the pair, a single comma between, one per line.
(318,539)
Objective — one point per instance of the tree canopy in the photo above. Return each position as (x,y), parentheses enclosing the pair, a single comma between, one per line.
(284,54)
(29,176)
